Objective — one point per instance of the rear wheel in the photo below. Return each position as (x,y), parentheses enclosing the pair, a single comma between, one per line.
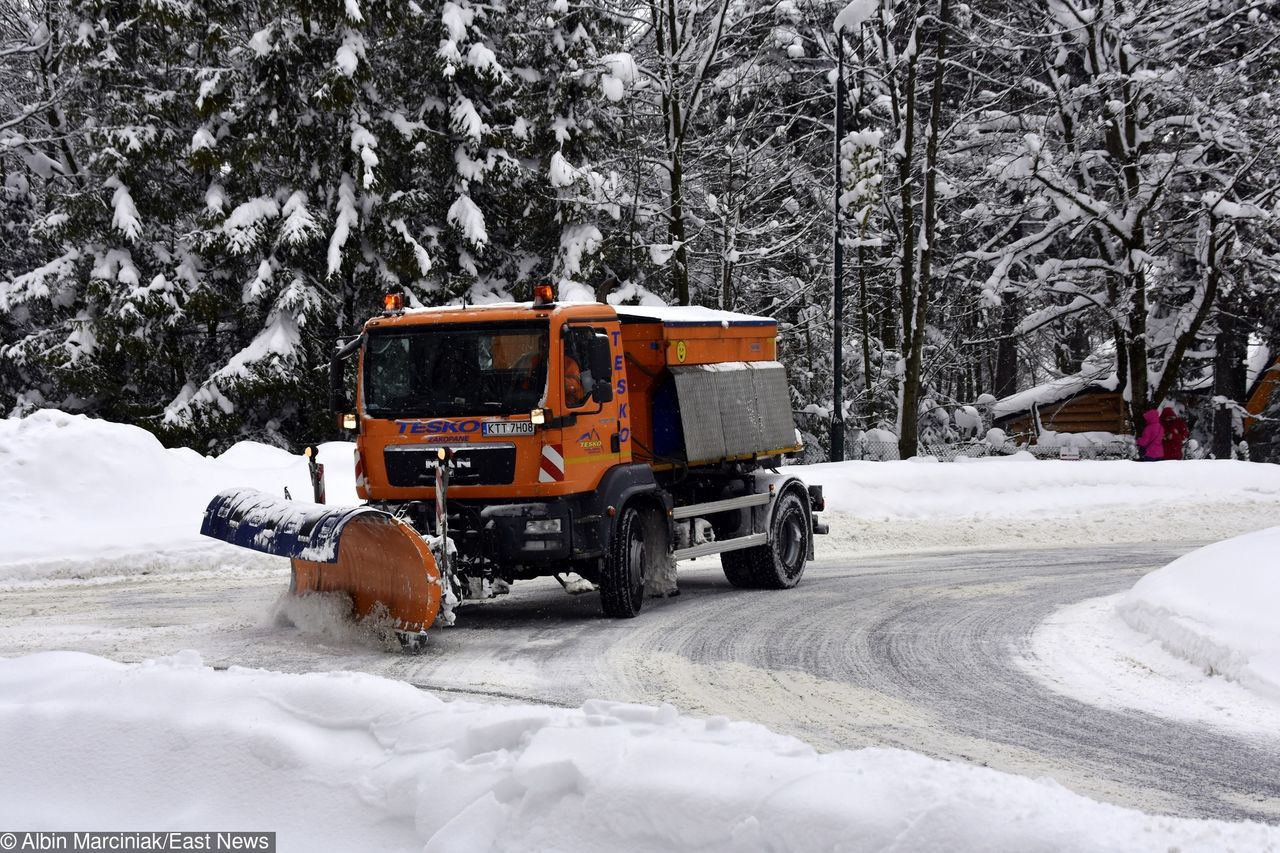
(632,552)
(778,564)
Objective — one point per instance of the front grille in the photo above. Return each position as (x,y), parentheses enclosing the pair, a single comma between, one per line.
(414,466)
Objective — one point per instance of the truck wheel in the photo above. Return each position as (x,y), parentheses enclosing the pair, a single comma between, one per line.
(630,554)
(737,569)
(779,564)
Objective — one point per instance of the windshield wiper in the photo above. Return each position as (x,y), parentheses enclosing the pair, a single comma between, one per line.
(456,408)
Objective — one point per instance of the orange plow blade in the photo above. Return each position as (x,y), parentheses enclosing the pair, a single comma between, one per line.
(377,559)
(386,568)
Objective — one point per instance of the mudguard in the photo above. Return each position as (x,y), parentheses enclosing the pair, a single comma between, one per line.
(379,560)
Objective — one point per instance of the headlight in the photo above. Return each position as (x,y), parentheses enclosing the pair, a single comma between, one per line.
(542,525)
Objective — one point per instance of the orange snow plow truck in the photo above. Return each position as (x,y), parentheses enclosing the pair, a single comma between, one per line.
(592,443)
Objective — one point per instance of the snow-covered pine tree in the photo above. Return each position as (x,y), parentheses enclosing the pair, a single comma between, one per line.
(252,177)
(565,105)
(102,312)
(1146,179)
(31,86)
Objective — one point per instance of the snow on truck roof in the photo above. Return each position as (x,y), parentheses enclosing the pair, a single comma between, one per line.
(669,315)
(691,315)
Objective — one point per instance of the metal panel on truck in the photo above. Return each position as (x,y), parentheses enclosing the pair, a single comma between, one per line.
(733,410)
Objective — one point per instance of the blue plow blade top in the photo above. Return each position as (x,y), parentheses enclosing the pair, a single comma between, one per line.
(261,521)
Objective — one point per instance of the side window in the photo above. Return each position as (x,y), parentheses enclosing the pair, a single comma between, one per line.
(578,381)
(392,370)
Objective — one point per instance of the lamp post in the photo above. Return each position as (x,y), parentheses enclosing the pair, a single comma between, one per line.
(837,383)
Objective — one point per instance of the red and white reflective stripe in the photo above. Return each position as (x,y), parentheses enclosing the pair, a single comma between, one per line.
(551,466)
(361,481)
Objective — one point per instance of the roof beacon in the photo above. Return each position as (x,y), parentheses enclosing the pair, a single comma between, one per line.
(393,303)
(543,294)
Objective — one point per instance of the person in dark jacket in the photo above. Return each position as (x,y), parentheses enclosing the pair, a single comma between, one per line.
(1175,433)
(1151,441)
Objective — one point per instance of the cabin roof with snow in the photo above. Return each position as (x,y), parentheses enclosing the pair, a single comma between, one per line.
(1097,375)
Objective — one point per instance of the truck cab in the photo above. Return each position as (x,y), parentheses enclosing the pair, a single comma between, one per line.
(531,402)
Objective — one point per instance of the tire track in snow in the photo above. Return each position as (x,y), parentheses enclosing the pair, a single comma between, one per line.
(920,653)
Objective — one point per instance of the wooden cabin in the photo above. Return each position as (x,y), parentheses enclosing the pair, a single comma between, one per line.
(1266,388)
(1094,410)
(1085,402)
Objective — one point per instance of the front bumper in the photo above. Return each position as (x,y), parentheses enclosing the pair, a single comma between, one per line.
(527,533)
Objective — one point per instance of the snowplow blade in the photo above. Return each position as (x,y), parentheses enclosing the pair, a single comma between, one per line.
(379,560)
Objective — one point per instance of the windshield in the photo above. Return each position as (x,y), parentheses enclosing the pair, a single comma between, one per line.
(456,370)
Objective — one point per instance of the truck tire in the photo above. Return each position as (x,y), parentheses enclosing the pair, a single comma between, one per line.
(630,554)
(780,563)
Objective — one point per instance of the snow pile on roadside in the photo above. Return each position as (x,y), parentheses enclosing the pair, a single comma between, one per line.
(72,486)
(1219,608)
(351,761)
(1088,652)
(1022,487)
(1017,501)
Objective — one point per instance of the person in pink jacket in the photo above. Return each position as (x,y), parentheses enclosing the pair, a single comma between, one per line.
(1151,441)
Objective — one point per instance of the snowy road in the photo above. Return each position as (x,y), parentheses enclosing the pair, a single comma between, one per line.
(915,651)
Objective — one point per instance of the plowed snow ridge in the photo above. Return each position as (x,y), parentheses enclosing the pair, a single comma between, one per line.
(346,761)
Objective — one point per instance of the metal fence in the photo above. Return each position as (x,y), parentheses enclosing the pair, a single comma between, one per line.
(952,452)
(1110,450)
(872,451)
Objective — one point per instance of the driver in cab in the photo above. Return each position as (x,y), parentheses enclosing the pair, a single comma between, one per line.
(575,391)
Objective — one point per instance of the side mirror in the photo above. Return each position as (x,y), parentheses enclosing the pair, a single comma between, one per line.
(601,369)
(340,402)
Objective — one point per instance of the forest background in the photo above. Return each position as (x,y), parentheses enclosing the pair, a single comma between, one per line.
(198,198)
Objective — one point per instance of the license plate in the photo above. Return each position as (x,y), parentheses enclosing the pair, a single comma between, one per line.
(507,428)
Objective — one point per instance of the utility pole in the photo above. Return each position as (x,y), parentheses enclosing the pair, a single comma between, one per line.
(837,381)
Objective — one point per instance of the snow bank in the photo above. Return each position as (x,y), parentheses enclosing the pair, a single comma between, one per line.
(351,761)
(1088,652)
(1022,487)
(1197,640)
(72,486)
(1019,502)
(1219,608)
